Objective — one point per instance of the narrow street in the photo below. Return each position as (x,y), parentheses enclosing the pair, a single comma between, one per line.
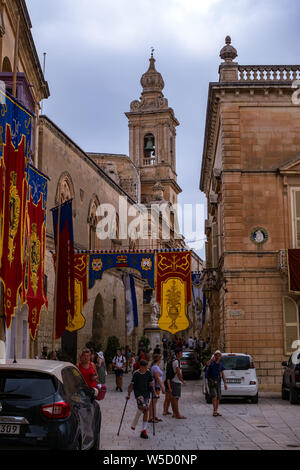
(273,424)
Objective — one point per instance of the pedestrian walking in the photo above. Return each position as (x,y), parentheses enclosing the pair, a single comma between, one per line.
(157,375)
(165,342)
(165,356)
(119,364)
(190,342)
(53,356)
(141,384)
(132,362)
(88,368)
(168,397)
(174,375)
(101,368)
(44,353)
(214,372)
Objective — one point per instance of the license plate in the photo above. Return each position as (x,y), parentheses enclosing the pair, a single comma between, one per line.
(233,381)
(9,429)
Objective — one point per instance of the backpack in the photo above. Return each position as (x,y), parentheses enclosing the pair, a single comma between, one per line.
(170,374)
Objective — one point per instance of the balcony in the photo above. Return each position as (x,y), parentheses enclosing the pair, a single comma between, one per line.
(24,95)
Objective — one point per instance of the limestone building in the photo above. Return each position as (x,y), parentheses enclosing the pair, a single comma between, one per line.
(146,176)
(21,74)
(251,177)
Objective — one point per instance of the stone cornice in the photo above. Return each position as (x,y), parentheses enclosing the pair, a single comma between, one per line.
(273,92)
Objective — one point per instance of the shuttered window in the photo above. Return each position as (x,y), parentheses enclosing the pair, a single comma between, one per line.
(291,324)
(296,216)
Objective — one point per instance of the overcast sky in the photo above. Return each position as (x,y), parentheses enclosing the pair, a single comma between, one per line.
(97,51)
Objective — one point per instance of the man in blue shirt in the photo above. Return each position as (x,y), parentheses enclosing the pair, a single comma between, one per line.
(214,372)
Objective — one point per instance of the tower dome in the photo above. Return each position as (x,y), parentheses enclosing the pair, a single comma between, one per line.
(152,80)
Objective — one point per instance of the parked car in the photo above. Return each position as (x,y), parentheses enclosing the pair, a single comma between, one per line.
(241,379)
(291,378)
(190,364)
(47,404)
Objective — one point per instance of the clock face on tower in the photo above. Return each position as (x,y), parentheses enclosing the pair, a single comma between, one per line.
(259,235)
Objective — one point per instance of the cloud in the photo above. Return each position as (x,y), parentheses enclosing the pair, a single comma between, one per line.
(97,51)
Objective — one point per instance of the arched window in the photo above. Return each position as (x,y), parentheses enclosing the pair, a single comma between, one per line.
(149,150)
(6,65)
(65,189)
(92,224)
(98,316)
(291,324)
(115,233)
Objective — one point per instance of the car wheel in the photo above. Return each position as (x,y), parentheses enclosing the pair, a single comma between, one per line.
(254,399)
(293,396)
(284,394)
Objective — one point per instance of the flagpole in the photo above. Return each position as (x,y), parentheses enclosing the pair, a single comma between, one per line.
(56,278)
(126,274)
(16,57)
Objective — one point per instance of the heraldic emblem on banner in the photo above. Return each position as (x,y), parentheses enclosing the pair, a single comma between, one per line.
(173,290)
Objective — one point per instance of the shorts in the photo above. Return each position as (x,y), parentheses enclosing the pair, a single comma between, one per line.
(215,390)
(119,373)
(142,403)
(176,389)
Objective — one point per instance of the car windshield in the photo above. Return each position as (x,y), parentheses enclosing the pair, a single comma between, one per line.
(236,362)
(26,384)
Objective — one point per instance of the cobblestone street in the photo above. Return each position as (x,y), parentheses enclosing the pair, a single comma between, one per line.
(273,424)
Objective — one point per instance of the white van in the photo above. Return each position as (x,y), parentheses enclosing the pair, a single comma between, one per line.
(240,376)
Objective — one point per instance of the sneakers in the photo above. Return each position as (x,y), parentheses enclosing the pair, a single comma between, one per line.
(144,435)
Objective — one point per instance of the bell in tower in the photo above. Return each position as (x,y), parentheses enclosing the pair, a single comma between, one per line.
(149,150)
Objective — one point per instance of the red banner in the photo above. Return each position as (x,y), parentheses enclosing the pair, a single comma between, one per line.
(64,243)
(36,243)
(174,264)
(294,270)
(81,263)
(13,217)
(173,289)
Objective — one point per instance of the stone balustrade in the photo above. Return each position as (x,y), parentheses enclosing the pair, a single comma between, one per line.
(268,73)
(148,161)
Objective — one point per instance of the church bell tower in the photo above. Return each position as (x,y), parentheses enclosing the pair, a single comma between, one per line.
(152,138)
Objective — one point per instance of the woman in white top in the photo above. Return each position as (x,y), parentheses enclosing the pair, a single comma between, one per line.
(157,375)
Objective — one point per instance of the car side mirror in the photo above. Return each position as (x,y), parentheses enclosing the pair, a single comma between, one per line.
(284,364)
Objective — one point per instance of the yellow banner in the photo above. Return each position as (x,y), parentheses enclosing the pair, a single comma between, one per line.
(173,306)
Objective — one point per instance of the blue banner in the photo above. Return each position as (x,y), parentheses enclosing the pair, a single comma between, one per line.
(132,320)
(18,119)
(38,185)
(101,262)
(199,299)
